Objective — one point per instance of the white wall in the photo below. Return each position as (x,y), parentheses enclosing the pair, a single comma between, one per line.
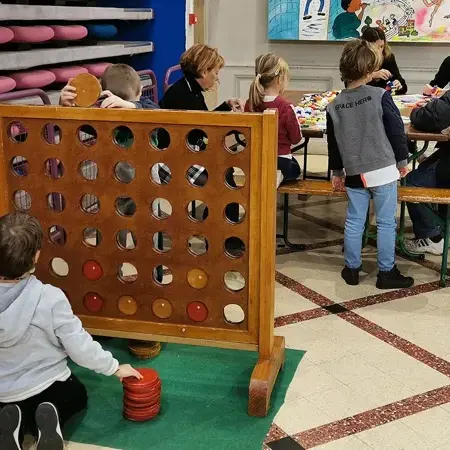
(239,29)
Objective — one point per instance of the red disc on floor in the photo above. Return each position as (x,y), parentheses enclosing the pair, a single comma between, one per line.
(144,391)
(92,270)
(197,311)
(141,414)
(143,397)
(151,378)
(128,404)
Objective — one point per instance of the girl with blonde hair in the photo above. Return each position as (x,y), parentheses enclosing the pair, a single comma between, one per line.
(271,80)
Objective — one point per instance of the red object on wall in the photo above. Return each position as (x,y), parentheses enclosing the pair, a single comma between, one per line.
(193,19)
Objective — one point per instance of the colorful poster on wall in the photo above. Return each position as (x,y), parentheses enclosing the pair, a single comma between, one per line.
(337,20)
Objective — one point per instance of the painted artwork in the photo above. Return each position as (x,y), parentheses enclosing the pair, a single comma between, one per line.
(338,20)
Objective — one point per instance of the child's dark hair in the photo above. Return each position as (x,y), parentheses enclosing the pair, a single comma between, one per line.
(359,59)
(20,240)
(377,34)
(122,80)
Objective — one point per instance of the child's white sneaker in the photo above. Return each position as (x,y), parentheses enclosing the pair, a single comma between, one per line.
(10,422)
(49,430)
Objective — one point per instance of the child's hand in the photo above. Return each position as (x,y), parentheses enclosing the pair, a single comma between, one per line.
(403,172)
(397,85)
(338,183)
(68,95)
(113,101)
(125,370)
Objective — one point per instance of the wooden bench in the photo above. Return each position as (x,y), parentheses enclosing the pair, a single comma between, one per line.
(406,194)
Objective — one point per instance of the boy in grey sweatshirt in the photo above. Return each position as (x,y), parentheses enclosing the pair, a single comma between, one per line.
(38,332)
(368,152)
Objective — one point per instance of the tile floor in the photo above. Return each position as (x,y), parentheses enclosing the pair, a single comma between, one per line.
(376,372)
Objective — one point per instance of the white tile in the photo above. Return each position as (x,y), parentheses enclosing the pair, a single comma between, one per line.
(289,302)
(420,378)
(395,436)
(297,335)
(432,425)
(347,443)
(300,415)
(310,380)
(382,389)
(323,350)
(341,403)
(350,368)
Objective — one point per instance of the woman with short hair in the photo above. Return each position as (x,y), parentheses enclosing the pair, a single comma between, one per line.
(389,70)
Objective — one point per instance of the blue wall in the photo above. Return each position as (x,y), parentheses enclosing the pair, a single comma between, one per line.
(167,31)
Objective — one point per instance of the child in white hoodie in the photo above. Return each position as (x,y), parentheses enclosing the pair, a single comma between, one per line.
(38,332)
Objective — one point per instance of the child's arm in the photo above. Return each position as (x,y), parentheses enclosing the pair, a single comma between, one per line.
(395,130)
(293,126)
(334,158)
(78,343)
(145,103)
(434,116)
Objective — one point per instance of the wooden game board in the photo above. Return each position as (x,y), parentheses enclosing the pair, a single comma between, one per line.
(65,174)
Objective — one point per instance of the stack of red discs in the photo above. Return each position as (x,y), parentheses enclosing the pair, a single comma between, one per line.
(142,398)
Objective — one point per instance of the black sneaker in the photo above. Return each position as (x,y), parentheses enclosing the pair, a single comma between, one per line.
(10,422)
(307,17)
(351,276)
(393,280)
(49,431)
(322,14)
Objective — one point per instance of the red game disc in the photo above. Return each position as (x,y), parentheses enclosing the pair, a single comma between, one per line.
(141,414)
(197,311)
(144,391)
(139,418)
(127,404)
(151,379)
(92,270)
(142,398)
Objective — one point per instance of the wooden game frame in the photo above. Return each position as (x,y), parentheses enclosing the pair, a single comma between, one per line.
(262,131)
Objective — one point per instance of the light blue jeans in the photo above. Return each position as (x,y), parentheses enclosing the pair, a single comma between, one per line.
(385,200)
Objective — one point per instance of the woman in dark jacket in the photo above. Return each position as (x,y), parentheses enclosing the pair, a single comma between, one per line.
(389,70)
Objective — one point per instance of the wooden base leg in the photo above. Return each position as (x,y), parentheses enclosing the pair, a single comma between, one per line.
(144,349)
(263,379)
(443,281)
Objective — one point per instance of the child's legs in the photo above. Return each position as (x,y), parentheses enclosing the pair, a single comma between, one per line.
(385,200)
(290,168)
(358,205)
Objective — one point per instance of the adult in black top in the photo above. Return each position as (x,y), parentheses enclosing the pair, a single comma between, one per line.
(200,65)
(389,70)
(441,79)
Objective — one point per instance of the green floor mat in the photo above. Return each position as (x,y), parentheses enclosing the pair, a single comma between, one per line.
(204,402)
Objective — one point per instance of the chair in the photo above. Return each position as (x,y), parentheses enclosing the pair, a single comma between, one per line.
(169,73)
(149,91)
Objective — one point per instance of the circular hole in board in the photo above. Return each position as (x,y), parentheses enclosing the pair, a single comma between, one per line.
(57,235)
(197,140)
(90,204)
(162,275)
(123,137)
(127,305)
(197,311)
(126,240)
(17,132)
(92,270)
(234,178)
(93,302)
(235,142)
(22,200)
(197,278)
(56,201)
(19,166)
(198,245)
(161,208)
(197,176)
(88,169)
(124,172)
(197,210)
(234,213)
(234,314)
(54,168)
(87,135)
(92,237)
(127,272)
(162,308)
(160,174)
(59,267)
(162,242)
(159,139)
(52,134)
(234,247)
(125,206)
(234,281)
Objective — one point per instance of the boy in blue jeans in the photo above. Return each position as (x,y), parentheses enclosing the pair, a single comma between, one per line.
(368,151)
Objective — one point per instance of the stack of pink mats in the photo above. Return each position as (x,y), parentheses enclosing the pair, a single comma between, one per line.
(40,33)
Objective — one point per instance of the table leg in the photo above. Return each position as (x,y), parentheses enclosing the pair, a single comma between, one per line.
(305,157)
(284,235)
(443,281)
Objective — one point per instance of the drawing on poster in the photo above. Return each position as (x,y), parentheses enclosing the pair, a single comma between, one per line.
(337,20)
